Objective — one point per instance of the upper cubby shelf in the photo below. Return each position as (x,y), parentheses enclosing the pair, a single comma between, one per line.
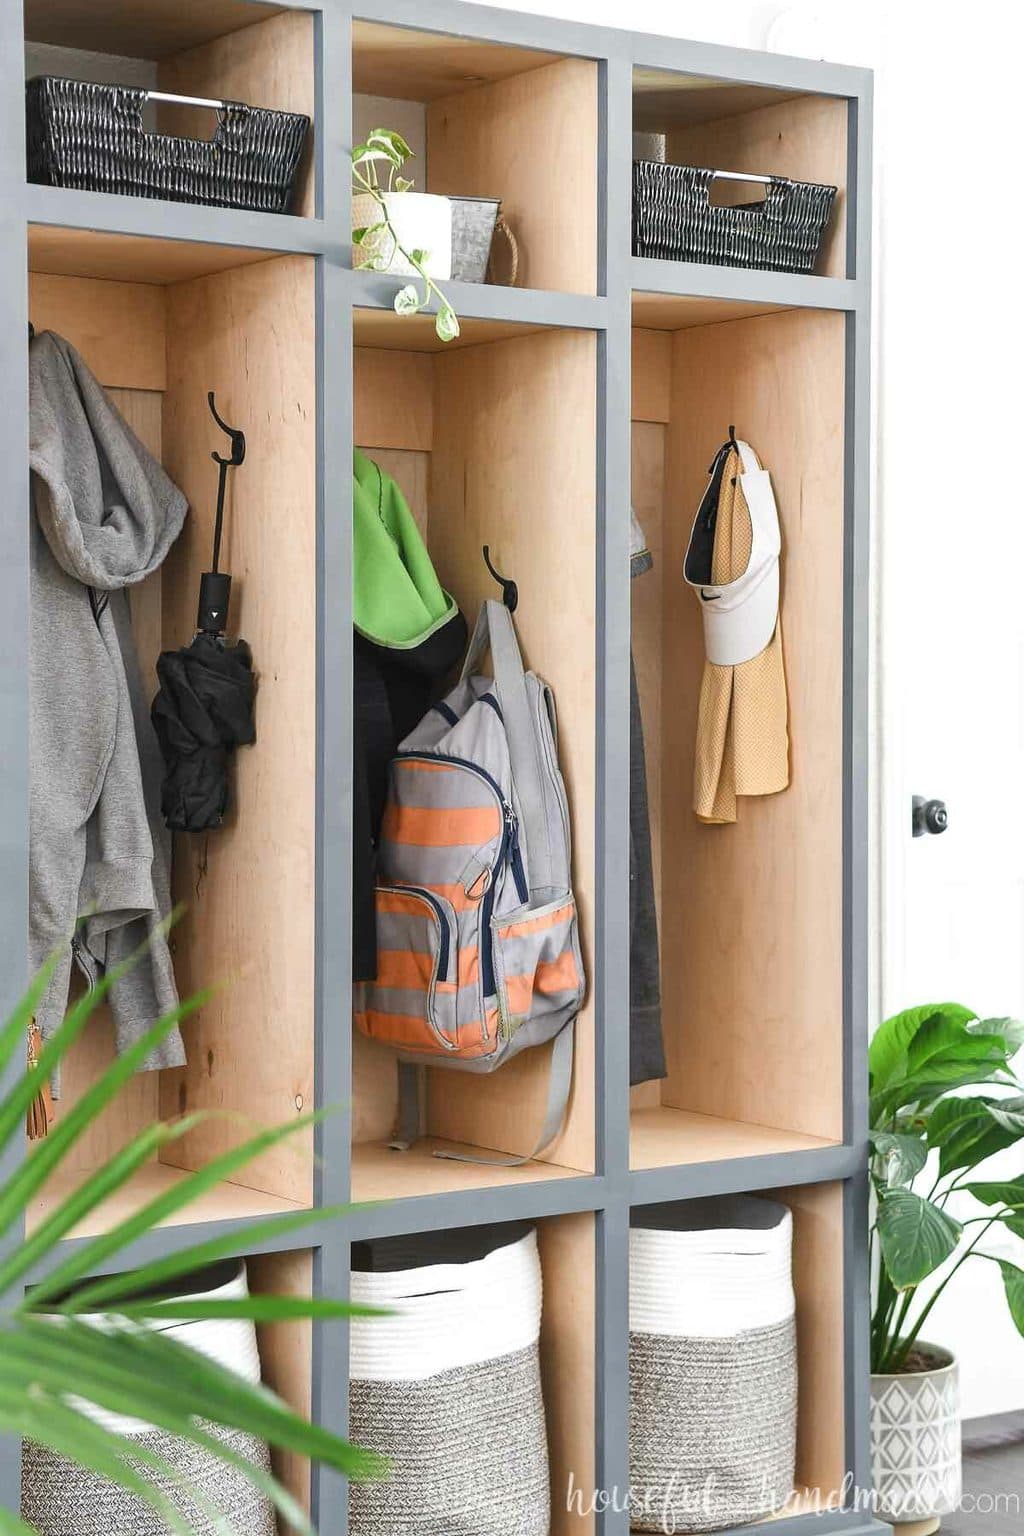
(156,30)
(61,251)
(481,119)
(222,50)
(750,131)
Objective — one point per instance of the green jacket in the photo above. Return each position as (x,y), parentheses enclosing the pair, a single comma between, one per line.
(398,600)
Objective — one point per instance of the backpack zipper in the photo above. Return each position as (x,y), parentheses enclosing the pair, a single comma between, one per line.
(509,853)
(443,947)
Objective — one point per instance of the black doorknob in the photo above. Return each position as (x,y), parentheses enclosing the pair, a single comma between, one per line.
(928,816)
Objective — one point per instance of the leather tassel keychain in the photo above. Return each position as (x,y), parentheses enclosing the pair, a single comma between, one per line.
(40,1111)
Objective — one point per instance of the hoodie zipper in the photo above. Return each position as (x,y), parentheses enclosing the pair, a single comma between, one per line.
(509,853)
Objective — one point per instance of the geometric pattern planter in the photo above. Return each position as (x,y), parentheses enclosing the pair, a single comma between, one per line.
(915,1440)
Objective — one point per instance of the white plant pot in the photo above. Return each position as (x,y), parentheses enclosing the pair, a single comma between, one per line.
(421,220)
(915,1441)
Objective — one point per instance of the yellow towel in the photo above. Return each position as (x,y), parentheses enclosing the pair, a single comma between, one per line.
(743,717)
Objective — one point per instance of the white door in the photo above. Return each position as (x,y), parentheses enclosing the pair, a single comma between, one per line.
(951,505)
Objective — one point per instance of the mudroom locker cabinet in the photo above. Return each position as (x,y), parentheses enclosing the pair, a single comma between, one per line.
(599,378)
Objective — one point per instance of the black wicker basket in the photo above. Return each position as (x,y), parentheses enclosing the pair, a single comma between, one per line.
(674,219)
(91,136)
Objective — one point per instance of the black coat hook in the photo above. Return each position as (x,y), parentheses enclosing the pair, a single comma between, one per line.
(509,590)
(236,435)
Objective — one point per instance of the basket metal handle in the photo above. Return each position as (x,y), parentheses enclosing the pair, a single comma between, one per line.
(186,101)
(764,181)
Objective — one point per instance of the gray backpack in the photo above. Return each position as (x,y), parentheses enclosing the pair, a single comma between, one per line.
(478,953)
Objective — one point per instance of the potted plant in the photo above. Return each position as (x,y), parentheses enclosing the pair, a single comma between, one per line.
(68,1316)
(929,1135)
(395,229)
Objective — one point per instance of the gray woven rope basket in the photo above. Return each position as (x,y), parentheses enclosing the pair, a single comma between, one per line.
(675,220)
(61,1499)
(448,1387)
(712,1364)
(81,134)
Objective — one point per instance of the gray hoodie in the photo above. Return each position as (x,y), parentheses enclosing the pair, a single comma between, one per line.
(105,516)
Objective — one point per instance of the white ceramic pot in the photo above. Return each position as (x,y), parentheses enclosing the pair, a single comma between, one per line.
(421,220)
(915,1440)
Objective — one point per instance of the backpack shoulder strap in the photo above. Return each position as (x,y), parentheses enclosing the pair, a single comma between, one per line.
(494,627)
(409,1120)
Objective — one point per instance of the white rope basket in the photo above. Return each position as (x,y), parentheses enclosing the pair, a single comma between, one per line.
(712,1364)
(448,1388)
(61,1499)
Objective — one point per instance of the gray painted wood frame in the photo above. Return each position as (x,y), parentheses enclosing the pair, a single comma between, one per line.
(611,1191)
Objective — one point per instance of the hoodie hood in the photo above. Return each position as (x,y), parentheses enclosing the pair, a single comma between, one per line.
(106,508)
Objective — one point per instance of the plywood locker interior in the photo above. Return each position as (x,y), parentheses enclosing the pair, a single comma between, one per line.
(235,52)
(752,129)
(491,124)
(568,1260)
(750,913)
(493,443)
(246,333)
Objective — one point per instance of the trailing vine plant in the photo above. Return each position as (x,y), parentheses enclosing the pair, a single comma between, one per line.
(385,148)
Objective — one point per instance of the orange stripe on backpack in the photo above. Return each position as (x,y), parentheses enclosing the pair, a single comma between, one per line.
(443,827)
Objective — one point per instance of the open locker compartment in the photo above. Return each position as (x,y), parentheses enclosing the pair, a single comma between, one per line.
(492,441)
(158,344)
(820,1465)
(230,50)
(755,130)
(487,120)
(567,1349)
(750,913)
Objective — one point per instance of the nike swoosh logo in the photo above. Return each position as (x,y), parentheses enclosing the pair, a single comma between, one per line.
(710,597)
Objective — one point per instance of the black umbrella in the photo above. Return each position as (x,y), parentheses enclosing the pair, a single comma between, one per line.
(204,708)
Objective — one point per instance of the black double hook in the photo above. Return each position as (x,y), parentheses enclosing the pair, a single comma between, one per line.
(236,435)
(509,590)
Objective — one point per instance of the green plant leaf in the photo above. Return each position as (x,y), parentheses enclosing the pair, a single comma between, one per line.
(418,257)
(1009,1114)
(902,1156)
(446,325)
(14,1031)
(889,1051)
(392,138)
(1013,1282)
(382,143)
(408,301)
(11,1525)
(999,1192)
(915,1236)
(1012,1031)
(28,1179)
(966,1132)
(403,184)
(124,1365)
(176,1197)
(48,1421)
(92,1192)
(258,1308)
(105,1290)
